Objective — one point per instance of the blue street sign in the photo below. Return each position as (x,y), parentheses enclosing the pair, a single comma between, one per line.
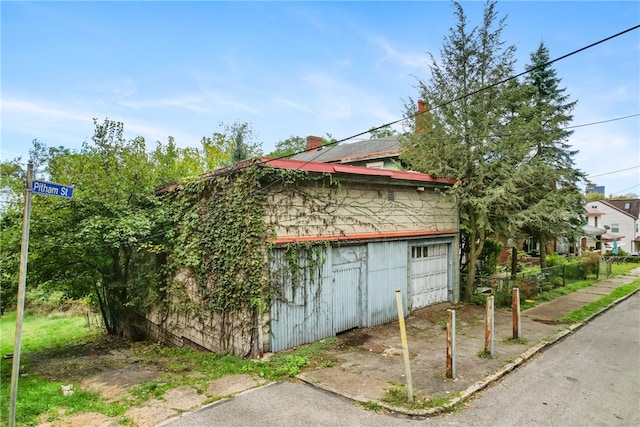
(52,189)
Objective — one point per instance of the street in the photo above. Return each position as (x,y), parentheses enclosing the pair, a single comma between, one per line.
(591,378)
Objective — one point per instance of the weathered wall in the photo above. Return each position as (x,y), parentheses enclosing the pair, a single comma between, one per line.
(178,323)
(355,208)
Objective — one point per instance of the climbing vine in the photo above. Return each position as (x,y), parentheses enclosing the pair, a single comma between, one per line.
(219,250)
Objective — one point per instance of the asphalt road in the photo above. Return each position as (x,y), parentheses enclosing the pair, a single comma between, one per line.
(591,378)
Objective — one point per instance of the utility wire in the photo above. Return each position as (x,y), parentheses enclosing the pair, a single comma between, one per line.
(616,171)
(331,144)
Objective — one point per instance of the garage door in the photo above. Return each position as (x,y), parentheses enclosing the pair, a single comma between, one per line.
(429,275)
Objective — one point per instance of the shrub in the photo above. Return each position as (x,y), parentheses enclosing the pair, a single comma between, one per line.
(489,257)
(555,259)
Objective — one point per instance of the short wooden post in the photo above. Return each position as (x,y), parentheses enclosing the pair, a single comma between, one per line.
(451,344)
(515,309)
(405,346)
(488,330)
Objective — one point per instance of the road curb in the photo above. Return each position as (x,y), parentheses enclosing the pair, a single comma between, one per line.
(484,383)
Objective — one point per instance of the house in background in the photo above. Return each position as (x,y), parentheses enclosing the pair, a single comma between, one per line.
(383,153)
(356,242)
(620,220)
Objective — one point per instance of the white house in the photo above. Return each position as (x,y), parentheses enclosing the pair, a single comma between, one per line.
(621,224)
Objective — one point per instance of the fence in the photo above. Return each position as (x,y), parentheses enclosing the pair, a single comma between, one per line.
(532,284)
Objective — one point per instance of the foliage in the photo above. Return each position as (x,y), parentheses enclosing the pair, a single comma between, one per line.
(382,132)
(489,257)
(221,239)
(592,197)
(550,181)
(463,137)
(288,147)
(556,259)
(295,145)
(591,261)
(94,244)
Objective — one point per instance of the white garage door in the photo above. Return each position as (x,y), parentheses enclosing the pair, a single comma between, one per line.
(429,275)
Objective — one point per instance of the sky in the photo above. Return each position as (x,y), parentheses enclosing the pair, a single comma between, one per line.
(184,69)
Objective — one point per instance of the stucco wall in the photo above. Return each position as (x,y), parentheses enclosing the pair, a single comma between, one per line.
(357,208)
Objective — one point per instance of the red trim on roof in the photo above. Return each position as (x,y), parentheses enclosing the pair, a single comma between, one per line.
(362,236)
(356,170)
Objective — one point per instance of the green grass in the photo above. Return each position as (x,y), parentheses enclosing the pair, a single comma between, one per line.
(40,399)
(37,396)
(616,270)
(594,307)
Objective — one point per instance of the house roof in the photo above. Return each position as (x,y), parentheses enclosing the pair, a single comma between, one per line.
(354,170)
(368,149)
(330,168)
(628,206)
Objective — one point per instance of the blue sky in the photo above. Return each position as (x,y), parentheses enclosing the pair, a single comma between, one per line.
(292,68)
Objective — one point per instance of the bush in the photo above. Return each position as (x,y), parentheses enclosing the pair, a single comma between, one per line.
(555,259)
(489,257)
(591,262)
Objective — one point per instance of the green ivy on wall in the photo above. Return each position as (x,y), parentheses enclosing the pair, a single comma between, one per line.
(219,250)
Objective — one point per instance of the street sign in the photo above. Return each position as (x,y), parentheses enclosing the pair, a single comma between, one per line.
(52,189)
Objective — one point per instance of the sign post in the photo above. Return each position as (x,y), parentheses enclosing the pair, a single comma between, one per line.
(36,187)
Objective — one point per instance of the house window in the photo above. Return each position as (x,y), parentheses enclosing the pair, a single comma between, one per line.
(615,228)
(375,165)
(419,252)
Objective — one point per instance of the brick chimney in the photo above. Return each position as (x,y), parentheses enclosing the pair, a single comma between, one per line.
(422,107)
(314,142)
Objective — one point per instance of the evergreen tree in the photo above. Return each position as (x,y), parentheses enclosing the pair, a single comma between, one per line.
(551,182)
(460,136)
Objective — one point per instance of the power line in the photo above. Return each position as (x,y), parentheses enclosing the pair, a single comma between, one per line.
(330,145)
(612,172)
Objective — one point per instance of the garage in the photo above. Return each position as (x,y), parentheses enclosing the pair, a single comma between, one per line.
(429,275)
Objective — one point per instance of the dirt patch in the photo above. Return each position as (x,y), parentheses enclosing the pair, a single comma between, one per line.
(112,366)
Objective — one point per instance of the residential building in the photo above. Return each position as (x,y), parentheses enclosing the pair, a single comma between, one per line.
(339,241)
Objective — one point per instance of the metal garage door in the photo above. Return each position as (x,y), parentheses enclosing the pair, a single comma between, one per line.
(429,275)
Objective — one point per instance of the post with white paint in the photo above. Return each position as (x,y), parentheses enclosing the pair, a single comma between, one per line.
(451,344)
(405,346)
(515,309)
(488,330)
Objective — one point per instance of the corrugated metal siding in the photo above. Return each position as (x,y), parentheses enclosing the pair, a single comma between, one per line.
(300,314)
(349,279)
(387,271)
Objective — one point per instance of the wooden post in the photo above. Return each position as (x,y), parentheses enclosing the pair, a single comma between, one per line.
(515,309)
(405,346)
(451,344)
(488,330)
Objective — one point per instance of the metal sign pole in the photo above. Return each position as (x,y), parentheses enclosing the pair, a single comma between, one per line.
(15,370)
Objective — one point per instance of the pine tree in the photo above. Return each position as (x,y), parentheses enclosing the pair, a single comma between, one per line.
(554,201)
(460,136)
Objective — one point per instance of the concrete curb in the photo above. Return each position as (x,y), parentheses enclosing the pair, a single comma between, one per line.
(484,383)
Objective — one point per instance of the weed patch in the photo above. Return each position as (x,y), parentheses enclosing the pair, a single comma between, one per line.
(397,396)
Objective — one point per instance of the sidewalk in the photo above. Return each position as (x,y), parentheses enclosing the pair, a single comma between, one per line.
(372,362)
